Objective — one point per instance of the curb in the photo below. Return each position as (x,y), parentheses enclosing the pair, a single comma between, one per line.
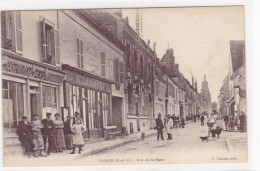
(229,145)
(112,146)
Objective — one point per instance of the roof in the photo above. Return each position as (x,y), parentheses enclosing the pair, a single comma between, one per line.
(237,49)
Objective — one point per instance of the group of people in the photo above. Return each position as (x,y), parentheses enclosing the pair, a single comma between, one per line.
(41,137)
(169,123)
(215,124)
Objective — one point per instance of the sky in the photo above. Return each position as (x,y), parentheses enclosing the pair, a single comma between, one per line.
(199,37)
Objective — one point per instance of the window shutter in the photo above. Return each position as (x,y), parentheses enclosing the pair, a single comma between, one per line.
(78,54)
(44,45)
(57,47)
(122,79)
(81,54)
(18,32)
(116,64)
(103,64)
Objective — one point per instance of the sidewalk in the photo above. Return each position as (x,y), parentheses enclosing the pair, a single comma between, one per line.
(236,141)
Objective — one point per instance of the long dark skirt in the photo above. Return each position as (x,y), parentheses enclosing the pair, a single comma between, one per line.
(59,138)
(69,141)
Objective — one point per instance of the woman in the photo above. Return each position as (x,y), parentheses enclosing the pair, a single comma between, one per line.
(169,126)
(37,137)
(59,139)
(210,122)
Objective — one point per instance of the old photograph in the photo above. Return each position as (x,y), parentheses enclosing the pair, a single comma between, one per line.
(130,86)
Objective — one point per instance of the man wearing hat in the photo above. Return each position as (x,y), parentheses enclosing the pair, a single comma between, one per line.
(47,133)
(24,131)
(159,126)
(77,116)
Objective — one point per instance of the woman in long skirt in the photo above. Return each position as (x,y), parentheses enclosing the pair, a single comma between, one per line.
(59,139)
(37,137)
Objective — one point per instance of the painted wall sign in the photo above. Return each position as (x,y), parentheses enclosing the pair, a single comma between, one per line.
(29,71)
(88,82)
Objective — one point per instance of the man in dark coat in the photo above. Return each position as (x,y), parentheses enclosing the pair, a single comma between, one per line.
(68,133)
(48,133)
(202,120)
(24,131)
(77,115)
(159,126)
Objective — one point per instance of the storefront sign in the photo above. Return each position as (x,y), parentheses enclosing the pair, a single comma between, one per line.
(12,67)
(88,82)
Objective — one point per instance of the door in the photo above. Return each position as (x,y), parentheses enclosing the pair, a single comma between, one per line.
(117,112)
(33,104)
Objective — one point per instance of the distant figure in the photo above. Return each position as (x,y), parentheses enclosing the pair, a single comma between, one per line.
(217,127)
(24,131)
(182,123)
(198,116)
(194,118)
(226,121)
(169,127)
(159,126)
(202,120)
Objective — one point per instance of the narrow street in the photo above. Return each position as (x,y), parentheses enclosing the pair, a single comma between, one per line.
(186,146)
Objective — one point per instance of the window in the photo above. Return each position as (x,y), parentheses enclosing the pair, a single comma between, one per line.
(12,103)
(105,108)
(103,64)
(111,69)
(11,31)
(49,99)
(142,64)
(80,53)
(74,99)
(116,70)
(91,109)
(50,43)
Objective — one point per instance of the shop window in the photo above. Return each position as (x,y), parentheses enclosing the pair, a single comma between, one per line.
(12,103)
(11,31)
(103,64)
(50,43)
(105,108)
(80,53)
(91,108)
(49,99)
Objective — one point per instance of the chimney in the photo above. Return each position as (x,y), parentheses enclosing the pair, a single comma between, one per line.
(154,44)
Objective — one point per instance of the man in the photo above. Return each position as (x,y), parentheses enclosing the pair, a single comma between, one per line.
(24,131)
(75,118)
(202,120)
(68,134)
(159,126)
(226,121)
(48,133)
(194,118)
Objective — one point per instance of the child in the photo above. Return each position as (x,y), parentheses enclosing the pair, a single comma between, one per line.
(78,140)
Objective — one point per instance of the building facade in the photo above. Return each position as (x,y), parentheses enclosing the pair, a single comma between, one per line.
(205,97)
(32,79)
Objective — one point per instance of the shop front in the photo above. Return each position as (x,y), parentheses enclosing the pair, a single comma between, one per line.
(28,88)
(89,95)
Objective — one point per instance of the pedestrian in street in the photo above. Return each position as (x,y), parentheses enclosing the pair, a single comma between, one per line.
(169,127)
(78,140)
(159,126)
(182,123)
(198,116)
(48,133)
(59,139)
(202,120)
(210,122)
(24,131)
(218,126)
(194,118)
(68,133)
(242,119)
(37,137)
(226,121)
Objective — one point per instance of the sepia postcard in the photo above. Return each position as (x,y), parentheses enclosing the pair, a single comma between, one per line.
(88,87)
